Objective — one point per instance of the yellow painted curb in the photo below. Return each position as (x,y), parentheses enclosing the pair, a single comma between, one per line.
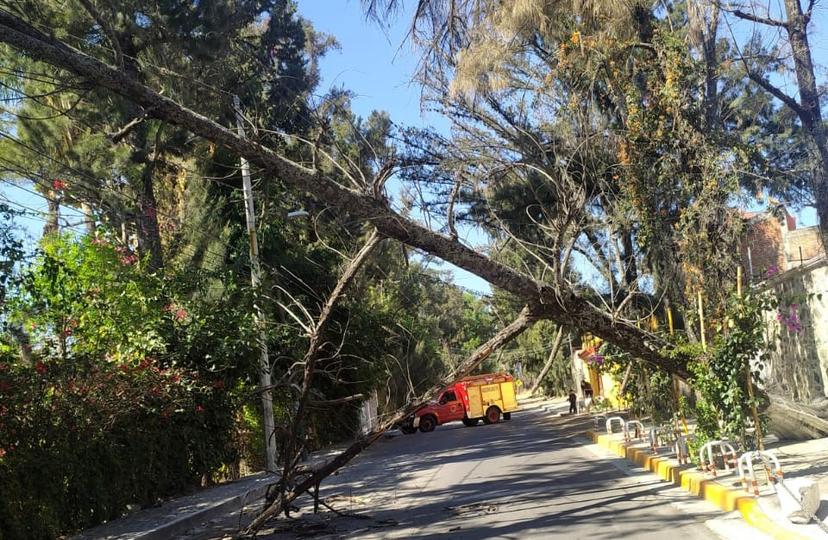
(698,484)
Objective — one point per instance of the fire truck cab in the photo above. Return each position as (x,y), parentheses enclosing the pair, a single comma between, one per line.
(487,397)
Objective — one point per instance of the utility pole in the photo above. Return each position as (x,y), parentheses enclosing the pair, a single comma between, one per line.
(258,315)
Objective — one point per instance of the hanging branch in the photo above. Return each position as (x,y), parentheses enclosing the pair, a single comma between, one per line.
(549,361)
(455,191)
(524,320)
(311,356)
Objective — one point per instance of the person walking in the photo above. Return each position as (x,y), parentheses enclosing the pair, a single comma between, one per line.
(573,402)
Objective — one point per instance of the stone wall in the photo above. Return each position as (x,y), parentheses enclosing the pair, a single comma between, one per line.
(798,367)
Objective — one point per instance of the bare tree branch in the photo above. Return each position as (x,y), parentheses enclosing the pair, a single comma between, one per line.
(107,29)
(119,135)
(314,346)
(338,401)
(524,320)
(778,94)
(556,345)
(450,210)
(757,19)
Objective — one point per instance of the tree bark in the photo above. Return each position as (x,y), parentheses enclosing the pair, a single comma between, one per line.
(52,224)
(554,302)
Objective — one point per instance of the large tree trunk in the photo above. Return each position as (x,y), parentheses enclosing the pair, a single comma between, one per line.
(809,110)
(558,303)
(52,224)
(149,235)
(703,16)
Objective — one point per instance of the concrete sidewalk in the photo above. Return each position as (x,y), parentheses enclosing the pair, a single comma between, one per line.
(797,459)
(177,516)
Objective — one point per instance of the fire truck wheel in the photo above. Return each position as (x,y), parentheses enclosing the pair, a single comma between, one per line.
(470,422)
(492,415)
(427,423)
(507,416)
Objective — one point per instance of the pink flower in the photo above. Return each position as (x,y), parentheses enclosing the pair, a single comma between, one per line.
(596,359)
(180,314)
(130,259)
(772,270)
(58,184)
(199,409)
(791,319)
(2,452)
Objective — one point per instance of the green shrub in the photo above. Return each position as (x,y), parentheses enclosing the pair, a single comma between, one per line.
(78,444)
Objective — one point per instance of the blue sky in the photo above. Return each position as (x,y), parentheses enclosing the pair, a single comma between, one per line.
(377,65)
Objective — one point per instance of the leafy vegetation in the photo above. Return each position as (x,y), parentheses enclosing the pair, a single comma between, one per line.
(601,149)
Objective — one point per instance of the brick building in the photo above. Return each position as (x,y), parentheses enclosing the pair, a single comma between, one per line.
(772,244)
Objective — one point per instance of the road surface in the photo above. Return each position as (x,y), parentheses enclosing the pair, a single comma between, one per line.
(531,477)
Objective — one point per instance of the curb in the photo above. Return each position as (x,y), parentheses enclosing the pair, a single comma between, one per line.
(183,524)
(164,523)
(698,484)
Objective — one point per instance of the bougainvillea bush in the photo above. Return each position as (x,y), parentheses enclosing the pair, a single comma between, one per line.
(128,393)
(80,443)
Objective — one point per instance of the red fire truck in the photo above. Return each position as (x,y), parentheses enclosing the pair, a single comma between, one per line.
(487,397)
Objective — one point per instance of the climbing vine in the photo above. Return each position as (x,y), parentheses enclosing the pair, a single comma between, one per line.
(721,375)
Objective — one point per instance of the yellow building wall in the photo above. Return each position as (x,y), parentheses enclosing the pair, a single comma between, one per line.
(603,384)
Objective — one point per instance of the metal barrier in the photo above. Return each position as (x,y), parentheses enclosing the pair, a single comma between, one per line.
(639,430)
(662,435)
(599,420)
(611,420)
(749,480)
(727,452)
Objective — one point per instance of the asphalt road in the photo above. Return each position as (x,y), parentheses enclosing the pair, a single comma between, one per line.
(525,478)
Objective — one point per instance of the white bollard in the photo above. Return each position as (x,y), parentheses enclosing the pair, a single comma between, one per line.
(613,419)
(747,474)
(725,449)
(639,430)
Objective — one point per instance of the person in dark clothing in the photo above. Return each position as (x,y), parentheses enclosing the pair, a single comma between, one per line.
(573,400)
